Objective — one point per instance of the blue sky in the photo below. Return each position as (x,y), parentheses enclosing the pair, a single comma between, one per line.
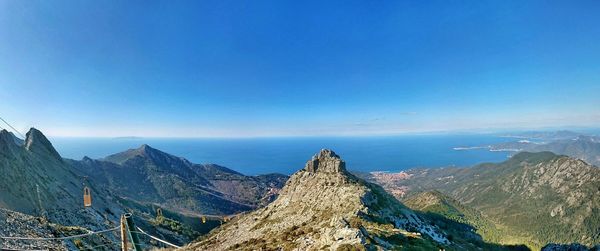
(283,68)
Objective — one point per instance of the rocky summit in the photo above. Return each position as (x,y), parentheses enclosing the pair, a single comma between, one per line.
(326,161)
(324,207)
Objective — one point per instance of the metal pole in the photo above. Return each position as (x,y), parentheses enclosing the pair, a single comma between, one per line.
(132,232)
(123,233)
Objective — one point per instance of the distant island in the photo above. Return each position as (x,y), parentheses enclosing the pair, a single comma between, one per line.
(577,145)
(128,137)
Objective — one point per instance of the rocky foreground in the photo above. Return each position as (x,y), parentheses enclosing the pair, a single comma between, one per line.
(21,225)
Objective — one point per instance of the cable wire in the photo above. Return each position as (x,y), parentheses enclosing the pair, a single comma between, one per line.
(17,131)
(157,239)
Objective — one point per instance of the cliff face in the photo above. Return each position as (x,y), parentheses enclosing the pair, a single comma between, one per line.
(326,161)
(323,206)
(36,142)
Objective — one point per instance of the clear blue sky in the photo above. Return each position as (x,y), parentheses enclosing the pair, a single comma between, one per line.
(285,68)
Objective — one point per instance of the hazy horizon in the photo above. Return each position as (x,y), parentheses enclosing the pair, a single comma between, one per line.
(470,131)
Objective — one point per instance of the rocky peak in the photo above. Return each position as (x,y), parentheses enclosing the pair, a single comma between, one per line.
(87,160)
(325,161)
(8,143)
(9,137)
(144,151)
(35,141)
(148,151)
(145,148)
(5,137)
(321,207)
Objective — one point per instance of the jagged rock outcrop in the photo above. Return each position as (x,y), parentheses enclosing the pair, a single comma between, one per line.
(36,180)
(323,206)
(326,161)
(35,141)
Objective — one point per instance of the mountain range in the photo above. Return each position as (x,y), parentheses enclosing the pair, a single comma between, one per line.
(544,135)
(583,147)
(37,181)
(574,144)
(526,202)
(532,198)
(175,183)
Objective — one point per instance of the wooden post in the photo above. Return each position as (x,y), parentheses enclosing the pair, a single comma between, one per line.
(123,233)
(132,232)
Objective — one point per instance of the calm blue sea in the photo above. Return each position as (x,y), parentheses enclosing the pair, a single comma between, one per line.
(286,155)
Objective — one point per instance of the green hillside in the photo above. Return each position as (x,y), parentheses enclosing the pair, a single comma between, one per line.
(532,198)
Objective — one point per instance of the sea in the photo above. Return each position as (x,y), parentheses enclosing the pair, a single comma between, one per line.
(253,156)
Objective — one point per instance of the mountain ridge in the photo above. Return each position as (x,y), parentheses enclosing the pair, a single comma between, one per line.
(180,184)
(41,192)
(546,197)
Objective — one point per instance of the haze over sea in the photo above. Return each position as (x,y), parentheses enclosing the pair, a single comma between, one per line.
(286,155)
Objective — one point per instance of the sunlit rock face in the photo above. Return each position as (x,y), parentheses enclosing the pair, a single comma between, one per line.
(325,161)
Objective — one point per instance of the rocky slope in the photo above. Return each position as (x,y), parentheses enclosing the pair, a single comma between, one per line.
(37,181)
(324,207)
(537,198)
(22,225)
